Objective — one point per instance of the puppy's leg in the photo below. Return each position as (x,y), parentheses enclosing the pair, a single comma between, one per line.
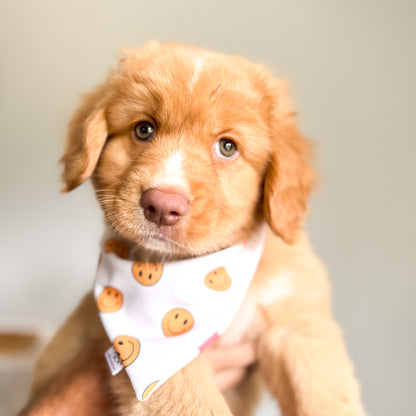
(81,388)
(69,341)
(191,391)
(302,355)
(307,368)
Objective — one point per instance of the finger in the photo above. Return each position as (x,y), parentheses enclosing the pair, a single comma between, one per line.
(226,379)
(241,355)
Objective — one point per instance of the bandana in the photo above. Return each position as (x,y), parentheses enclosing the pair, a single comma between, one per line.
(161,316)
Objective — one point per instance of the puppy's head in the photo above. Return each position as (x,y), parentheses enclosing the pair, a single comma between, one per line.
(190,150)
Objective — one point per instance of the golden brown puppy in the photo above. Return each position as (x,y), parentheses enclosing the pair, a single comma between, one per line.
(190,152)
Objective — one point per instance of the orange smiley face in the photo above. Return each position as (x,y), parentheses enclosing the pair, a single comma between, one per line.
(128,349)
(218,280)
(147,273)
(149,389)
(110,300)
(176,322)
(117,247)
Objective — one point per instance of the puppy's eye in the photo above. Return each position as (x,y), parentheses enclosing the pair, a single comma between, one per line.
(144,131)
(225,148)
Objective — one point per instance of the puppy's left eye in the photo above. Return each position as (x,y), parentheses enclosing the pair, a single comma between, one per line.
(144,131)
(225,148)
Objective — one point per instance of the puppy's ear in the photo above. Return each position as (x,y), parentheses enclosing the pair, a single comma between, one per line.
(88,129)
(86,138)
(289,176)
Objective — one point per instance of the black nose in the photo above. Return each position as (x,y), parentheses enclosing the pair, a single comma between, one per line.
(163,208)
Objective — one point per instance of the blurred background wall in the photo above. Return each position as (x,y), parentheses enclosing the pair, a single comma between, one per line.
(351,65)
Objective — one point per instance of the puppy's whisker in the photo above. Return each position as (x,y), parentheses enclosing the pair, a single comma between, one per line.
(103,191)
(107,198)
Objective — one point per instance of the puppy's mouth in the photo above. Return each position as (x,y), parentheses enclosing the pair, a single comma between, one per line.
(165,239)
(164,234)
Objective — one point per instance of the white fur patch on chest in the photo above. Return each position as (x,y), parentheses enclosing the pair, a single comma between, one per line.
(248,323)
(274,289)
(245,326)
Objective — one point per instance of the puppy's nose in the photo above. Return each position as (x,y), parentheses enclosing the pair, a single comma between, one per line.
(163,208)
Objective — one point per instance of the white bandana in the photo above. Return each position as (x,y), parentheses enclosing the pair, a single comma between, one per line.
(161,316)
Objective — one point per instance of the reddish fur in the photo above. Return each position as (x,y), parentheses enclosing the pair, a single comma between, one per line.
(266,135)
(302,357)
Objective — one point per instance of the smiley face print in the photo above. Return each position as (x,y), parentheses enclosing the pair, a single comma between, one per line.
(117,247)
(149,389)
(176,322)
(218,280)
(110,300)
(128,349)
(147,274)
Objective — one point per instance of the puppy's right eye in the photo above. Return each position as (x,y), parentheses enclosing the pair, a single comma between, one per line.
(225,148)
(144,131)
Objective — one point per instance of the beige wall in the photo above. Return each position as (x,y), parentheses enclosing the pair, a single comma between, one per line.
(352,67)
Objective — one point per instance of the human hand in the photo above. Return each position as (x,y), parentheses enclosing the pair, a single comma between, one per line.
(230,363)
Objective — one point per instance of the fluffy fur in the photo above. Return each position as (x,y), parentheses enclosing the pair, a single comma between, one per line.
(194,98)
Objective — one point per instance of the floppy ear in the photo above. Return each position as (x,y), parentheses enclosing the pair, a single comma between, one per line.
(86,138)
(88,129)
(289,176)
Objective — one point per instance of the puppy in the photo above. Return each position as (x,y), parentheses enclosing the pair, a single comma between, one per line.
(191,152)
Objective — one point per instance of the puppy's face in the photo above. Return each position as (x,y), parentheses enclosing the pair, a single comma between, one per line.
(181,144)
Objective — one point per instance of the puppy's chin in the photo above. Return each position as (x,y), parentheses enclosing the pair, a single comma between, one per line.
(157,242)
(157,245)
(165,244)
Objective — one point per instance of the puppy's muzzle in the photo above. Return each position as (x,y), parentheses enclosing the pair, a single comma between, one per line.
(163,208)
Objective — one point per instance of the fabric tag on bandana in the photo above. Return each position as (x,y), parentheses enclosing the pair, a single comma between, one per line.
(159,317)
(113,361)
